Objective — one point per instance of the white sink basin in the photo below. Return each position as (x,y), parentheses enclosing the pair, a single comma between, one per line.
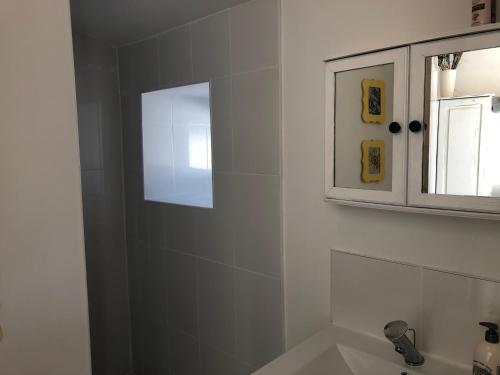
(339,351)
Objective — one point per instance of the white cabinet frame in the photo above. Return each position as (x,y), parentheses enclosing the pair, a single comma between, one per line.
(397,196)
(419,52)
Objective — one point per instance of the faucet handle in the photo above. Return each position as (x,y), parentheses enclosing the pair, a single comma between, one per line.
(414,333)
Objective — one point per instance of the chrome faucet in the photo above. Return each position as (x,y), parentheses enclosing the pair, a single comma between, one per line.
(396,333)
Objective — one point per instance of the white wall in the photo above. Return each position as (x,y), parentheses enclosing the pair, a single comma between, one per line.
(43,296)
(312,31)
(477,73)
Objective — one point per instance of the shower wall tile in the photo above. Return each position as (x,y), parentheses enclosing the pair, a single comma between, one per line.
(214,237)
(215,362)
(92,183)
(96,81)
(100,136)
(138,263)
(157,287)
(132,132)
(175,57)
(217,322)
(184,354)
(136,209)
(216,305)
(180,226)
(255,35)
(173,226)
(211,47)
(90,132)
(257,221)
(222,127)
(139,67)
(255,109)
(259,332)
(111,133)
(90,52)
(182,293)
(157,361)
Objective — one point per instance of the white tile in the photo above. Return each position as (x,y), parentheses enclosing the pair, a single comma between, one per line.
(174,51)
(259,318)
(453,305)
(255,103)
(211,56)
(132,131)
(255,35)
(215,362)
(90,133)
(138,67)
(182,292)
(184,354)
(368,293)
(216,305)
(214,238)
(222,128)
(257,223)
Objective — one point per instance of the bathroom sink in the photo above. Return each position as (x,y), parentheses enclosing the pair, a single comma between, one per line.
(340,351)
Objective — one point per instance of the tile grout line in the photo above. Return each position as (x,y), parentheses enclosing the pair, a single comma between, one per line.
(176,27)
(191,255)
(281,90)
(415,265)
(124,205)
(191,60)
(258,70)
(421,309)
(231,120)
(232,195)
(198,328)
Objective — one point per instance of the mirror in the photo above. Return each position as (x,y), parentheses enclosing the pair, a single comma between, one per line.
(462,124)
(363,144)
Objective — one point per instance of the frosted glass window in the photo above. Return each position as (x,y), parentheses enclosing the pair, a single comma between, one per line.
(177,145)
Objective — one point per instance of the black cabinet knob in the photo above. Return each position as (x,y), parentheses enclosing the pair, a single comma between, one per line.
(415,126)
(394,128)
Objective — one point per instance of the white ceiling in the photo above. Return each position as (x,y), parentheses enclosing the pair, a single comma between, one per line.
(119,22)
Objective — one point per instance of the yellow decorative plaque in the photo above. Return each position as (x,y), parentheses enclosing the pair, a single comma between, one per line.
(373,161)
(373,101)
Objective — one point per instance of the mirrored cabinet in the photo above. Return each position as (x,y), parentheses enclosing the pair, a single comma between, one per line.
(366,132)
(417,127)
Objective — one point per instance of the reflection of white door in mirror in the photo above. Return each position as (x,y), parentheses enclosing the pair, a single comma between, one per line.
(456,151)
(453,162)
(463,151)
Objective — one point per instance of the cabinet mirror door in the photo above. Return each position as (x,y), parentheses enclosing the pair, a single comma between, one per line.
(366,126)
(454,154)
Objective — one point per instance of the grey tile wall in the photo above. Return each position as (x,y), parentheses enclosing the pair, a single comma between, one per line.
(213,277)
(99,126)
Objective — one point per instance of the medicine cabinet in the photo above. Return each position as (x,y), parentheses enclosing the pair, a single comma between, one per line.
(417,127)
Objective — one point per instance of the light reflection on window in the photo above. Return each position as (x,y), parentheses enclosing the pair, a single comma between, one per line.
(177,152)
(200,148)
